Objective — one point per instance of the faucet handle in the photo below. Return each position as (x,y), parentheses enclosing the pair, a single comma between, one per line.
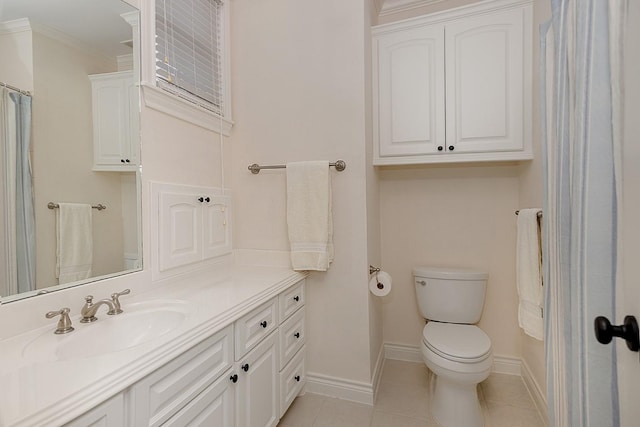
(88,299)
(64,323)
(116,301)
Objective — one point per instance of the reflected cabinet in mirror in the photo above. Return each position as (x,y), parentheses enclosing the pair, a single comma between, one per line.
(69,144)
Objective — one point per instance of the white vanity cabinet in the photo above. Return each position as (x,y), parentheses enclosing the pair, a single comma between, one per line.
(193,225)
(115,121)
(454,86)
(244,375)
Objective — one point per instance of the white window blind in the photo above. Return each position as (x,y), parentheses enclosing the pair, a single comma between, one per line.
(189,50)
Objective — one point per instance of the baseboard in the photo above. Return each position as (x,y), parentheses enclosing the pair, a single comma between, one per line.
(340,388)
(407,353)
(377,372)
(536,392)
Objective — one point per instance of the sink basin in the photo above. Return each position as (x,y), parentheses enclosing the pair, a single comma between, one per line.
(141,322)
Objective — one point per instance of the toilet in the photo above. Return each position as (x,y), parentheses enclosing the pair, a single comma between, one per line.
(453,348)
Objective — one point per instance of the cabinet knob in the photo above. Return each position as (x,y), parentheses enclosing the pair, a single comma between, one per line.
(297,335)
(451,148)
(207,199)
(201,199)
(127,160)
(263,324)
(234,378)
(296,298)
(245,367)
(121,160)
(297,378)
(440,148)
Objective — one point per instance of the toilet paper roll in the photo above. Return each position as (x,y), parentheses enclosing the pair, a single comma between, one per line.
(380,284)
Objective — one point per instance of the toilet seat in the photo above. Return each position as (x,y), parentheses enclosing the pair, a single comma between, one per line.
(456,342)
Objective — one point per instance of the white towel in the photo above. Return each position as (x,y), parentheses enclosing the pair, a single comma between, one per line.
(74,251)
(309,215)
(528,273)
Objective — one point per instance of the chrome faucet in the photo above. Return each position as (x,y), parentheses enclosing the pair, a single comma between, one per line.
(89,309)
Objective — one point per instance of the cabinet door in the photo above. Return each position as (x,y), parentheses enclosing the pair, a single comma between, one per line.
(213,407)
(179,230)
(216,227)
(410,105)
(107,414)
(258,388)
(112,134)
(485,63)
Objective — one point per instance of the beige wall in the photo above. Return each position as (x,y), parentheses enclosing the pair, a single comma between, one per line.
(531,190)
(63,155)
(299,94)
(460,216)
(16,67)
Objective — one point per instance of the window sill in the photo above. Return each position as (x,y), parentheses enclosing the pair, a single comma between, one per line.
(165,102)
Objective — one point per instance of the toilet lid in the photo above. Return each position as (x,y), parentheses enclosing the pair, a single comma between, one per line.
(462,343)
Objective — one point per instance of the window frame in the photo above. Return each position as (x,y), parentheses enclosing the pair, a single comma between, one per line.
(162,100)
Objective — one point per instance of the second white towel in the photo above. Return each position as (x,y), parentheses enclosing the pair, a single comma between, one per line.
(309,215)
(528,273)
(75,242)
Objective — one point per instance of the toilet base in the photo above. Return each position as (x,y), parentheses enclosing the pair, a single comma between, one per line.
(454,404)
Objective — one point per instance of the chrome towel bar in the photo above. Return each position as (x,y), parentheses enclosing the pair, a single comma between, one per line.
(99,206)
(539,213)
(340,165)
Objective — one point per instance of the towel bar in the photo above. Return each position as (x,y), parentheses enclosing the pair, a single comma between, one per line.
(539,213)
(340,165)
(99,206)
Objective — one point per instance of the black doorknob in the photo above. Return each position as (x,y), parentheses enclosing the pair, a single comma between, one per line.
(605,331)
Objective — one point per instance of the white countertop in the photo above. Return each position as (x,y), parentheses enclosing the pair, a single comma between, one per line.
(40,390)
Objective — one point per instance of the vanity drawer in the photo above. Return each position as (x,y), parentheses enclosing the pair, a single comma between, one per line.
(291,300)
(292,379)
(254,326)
(292,337)
(160,395)
(215,406)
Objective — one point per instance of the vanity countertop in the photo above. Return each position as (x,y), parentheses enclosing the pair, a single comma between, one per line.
(37,388)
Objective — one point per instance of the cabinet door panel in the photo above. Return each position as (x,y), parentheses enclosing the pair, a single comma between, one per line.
(292,379)
(485,60)
(411,91)
(292,336)
(107,414)
(217,227)
(254,326)
(180,230)
(258,389)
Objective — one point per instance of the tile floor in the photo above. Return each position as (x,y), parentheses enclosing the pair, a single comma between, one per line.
(402,402)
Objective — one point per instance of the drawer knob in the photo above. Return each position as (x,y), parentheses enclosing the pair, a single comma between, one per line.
(451,148)
(234,378)
(440,148)
(297,378)
(297,335)
(201,199)
(296,298)
(207,199)
(245,367)
(263,324)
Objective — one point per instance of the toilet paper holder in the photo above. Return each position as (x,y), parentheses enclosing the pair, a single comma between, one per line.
(376,270)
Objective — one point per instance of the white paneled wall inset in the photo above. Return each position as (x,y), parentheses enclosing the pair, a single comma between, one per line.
(193,226)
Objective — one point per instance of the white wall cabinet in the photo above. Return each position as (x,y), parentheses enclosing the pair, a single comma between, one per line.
(116,128)
(454,86)
(193,225)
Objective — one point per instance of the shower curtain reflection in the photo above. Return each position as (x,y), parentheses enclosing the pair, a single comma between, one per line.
(18,218)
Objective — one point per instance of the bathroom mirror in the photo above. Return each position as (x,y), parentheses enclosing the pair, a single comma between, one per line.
(78,61)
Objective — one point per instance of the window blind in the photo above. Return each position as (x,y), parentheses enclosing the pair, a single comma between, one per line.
(189,50)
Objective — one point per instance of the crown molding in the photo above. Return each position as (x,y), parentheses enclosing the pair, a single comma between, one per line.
(389,7)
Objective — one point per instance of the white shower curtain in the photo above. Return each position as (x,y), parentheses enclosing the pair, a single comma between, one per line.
(18,217)
(581,150)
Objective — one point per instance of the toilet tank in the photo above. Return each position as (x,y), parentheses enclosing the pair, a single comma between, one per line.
(452,295)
